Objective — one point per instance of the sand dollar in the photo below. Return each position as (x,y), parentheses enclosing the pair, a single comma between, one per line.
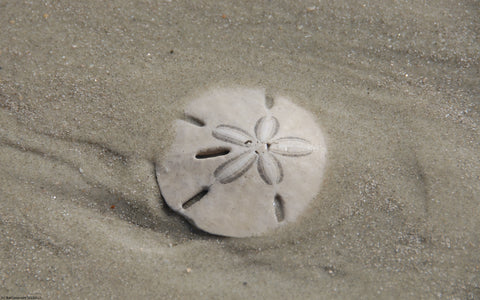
(239,165)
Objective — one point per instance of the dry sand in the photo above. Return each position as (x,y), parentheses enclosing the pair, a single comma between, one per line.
(88,93)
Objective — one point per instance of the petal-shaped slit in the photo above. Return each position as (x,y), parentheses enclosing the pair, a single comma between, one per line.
(269,168)
(235,167)
(232,134)
(291,146)
(266,128)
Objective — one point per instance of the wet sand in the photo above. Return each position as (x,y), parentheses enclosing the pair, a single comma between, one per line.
(88,94)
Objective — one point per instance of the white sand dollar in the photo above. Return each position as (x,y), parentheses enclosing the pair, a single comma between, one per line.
(240,166)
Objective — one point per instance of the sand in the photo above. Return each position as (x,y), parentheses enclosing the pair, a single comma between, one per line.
(88,94)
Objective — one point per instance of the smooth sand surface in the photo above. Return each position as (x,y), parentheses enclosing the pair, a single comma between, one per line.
(88,94)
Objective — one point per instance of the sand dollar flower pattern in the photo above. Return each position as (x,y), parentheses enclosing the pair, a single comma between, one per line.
(241,162)
(260,149)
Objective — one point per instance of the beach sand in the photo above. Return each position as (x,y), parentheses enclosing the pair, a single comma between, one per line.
(89,91)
